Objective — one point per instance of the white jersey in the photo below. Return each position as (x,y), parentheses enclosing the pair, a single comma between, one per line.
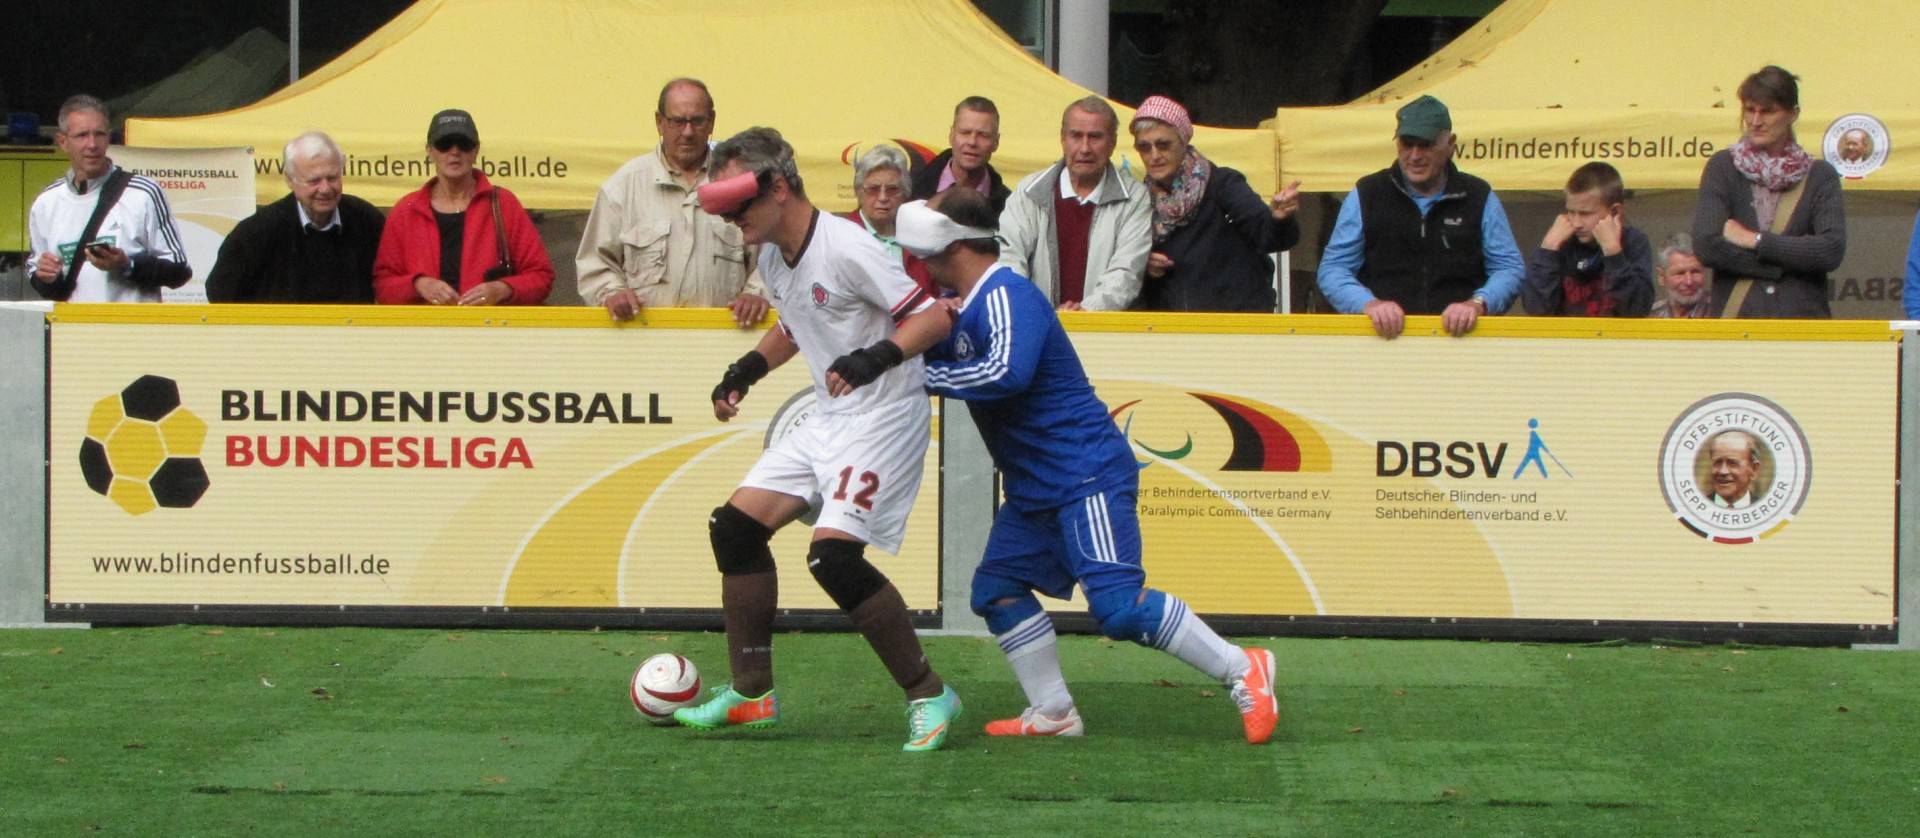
(845,293)
(140,223)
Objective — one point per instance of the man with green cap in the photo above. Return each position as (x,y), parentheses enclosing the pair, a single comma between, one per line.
(1421,236)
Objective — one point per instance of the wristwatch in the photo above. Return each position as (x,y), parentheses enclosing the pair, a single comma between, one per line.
(1481,300)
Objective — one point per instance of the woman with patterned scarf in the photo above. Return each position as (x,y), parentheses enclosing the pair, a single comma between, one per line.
(1211,231)
(1770,222)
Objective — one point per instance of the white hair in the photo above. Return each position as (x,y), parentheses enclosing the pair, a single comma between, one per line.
(880,157)
(307,145)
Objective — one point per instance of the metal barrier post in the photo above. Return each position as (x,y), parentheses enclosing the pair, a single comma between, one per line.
(1907,558)
(966,514)
(23,465)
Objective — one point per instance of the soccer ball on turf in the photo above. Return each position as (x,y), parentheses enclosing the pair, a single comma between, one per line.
(664,683)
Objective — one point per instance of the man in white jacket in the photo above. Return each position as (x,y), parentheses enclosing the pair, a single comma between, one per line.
(1078,228)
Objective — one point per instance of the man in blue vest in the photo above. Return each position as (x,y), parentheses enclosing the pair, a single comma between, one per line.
(1421,236)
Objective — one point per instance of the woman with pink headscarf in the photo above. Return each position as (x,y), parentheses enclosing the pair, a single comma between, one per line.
(1770,222)
(1211,232)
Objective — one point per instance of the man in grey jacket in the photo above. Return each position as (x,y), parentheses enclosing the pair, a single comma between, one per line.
(1079,228)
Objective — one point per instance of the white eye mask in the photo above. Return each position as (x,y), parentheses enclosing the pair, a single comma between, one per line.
(926,232)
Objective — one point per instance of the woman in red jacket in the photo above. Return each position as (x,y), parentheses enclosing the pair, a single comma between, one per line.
(441,244)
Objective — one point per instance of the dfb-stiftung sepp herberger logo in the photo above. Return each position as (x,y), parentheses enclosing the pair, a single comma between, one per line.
(142,448)
(1735,467)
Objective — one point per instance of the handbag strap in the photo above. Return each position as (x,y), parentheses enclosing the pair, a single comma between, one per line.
(500,231)
(1789,200)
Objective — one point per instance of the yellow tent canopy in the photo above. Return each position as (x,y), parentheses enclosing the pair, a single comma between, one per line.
(564,92)
(1539,87)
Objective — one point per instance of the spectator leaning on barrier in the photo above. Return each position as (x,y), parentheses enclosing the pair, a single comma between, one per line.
(968,161)
(316,245)
(101,234)
(442,244)
(1591,263)
(1685,280)
(1770,222)
(1910,296)
(648,244)
(880,185)
(1421,236)
(1077,228)
(1211,232)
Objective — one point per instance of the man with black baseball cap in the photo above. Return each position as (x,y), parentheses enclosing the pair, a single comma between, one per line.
(1421,236)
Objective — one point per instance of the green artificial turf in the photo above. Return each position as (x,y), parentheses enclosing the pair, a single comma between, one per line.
(208,731)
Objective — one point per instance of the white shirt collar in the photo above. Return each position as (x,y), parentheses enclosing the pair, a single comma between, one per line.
(1066,187)
(307,220)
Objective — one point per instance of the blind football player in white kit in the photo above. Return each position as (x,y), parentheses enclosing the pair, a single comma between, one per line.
(861,323)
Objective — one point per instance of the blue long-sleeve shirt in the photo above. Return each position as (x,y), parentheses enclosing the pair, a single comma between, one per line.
(1339,274)
(1910,293)
(1009,359)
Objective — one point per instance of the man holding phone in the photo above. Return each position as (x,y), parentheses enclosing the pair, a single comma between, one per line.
(1591,263)
(100,234)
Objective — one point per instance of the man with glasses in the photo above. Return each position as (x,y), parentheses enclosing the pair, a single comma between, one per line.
(131,253)
(1078,228)
(855,460)
(647,243)
(968,162)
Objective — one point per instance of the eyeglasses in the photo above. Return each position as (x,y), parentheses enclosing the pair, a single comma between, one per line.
(886,190)
(681,123)
(1163,146)
(449,143)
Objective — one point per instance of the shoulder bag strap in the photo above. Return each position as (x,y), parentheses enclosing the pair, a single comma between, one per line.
(1789,201)
(500,231)
(109,195)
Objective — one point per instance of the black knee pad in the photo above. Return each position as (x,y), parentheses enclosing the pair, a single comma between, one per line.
(844,573)
(739,542)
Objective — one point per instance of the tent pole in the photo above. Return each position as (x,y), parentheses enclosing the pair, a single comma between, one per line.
(293,41)
(1082,32)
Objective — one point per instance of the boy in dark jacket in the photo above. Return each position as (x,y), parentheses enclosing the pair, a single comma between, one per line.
(1591,263)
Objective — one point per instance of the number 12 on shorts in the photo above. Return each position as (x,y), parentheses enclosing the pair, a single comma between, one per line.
(869,484)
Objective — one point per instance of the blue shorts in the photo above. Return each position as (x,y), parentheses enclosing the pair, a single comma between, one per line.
(1094,541)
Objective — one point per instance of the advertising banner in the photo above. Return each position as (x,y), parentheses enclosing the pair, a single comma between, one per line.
(405,458)
(209,190)
(1642,472)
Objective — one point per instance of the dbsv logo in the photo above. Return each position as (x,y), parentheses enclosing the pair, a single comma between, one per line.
(1463,459)
(142,448)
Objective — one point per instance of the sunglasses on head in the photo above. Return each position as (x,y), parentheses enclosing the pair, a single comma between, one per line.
(763,180)
(453,142)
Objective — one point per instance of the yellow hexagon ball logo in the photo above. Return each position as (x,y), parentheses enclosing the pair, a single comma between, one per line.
(142,448)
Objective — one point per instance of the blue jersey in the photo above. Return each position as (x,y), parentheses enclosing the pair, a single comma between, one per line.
(1009,359)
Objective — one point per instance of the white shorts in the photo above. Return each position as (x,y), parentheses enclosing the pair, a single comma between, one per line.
(859,471)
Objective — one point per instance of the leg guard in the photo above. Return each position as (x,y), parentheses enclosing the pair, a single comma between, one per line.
(989,593)
(1124,615)
(739,542)
(845,574)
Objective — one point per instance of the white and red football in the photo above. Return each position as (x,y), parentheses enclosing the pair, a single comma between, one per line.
(664,683)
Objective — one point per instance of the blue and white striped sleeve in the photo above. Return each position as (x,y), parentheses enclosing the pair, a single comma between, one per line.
(1007,354)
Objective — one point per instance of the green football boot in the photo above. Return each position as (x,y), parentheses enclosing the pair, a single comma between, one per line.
(730,709)
(928,720)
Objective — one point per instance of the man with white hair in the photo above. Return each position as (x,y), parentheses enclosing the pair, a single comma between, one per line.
(316,245)
(101,234)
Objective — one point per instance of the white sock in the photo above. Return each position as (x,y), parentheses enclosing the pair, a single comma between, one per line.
(1034,651)
(1196,643)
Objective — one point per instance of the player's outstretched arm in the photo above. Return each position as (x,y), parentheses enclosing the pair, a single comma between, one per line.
(776,347)
(916,334)
(1016,327)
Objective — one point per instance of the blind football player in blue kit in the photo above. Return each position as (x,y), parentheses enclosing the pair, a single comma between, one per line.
(1070,480)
